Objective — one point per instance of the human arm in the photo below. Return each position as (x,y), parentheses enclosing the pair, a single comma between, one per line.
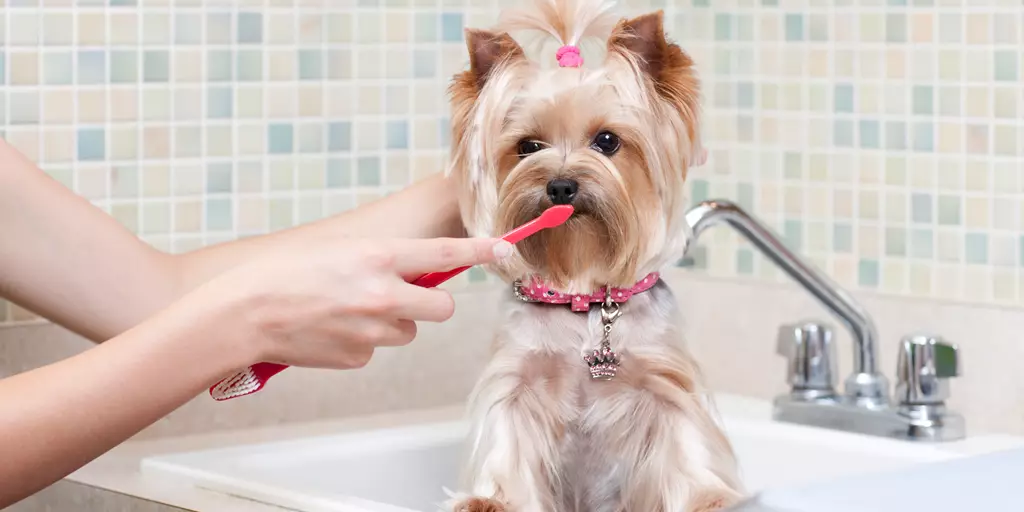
(68,261)
(325,306)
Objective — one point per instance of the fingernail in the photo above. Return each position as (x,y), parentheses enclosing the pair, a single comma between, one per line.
(502,250)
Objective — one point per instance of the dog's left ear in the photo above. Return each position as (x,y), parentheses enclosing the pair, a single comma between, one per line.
(670,70)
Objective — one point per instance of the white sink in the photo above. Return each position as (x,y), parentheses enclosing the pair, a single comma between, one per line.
(406,468)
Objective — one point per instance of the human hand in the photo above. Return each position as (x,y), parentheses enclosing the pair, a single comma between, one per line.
(331,304)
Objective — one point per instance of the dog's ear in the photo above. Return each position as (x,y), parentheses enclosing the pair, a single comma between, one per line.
(487,52)
(642,41)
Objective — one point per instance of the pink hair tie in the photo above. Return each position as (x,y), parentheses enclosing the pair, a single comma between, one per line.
(569,56)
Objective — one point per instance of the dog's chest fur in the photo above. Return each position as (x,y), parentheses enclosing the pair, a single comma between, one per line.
(590,463)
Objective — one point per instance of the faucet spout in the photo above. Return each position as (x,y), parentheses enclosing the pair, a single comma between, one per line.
(867,386)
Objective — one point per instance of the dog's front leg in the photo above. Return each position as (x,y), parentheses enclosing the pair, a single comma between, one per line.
(519,419)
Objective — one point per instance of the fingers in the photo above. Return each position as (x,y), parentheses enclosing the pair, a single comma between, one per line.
(423,304)
(413,257)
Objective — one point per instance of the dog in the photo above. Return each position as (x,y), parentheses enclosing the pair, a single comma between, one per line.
(591,401)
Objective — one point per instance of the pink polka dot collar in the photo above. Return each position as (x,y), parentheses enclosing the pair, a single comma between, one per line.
(535,290)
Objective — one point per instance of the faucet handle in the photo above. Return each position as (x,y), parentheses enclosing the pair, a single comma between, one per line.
(925,365)
(810,352)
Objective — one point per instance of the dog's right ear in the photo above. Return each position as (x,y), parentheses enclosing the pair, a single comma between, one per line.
(488,51)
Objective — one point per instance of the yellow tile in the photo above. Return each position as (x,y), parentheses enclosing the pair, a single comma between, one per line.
(280,28)
(188,216)
(895,207)
(124,27)
(310,100)
(251,140)
(793,200)
(92,106)
(188,66)
(895,63)
(249,102)
(219,140)
(58,145)
(978,101)
(281,101)
(92,29)
(156,142)
(868,205)
(951,174)
(978,28)
(124,104)
(124,142)
(58,107)
(156,104)
(1004,285)
(252,214)
(870,169)
(894,276)
(58,28)
(920,279)
(868,99)
(844,270)
(868,242)
(24,68)
(976,212)
(950,138)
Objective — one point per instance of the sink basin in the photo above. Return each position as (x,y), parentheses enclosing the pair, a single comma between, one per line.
(406,468)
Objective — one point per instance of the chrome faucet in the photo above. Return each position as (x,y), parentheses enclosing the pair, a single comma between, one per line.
(925,365)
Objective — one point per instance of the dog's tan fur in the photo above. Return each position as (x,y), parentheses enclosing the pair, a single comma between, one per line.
(546,437)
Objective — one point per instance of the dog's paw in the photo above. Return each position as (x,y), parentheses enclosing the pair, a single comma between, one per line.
(479,505)
(712,501)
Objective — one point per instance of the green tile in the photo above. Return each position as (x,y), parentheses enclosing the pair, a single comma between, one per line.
(745,196)
(867,273)
(924,137)
(794,27)
(895,135)
(843,101)
(698,191)
(792,165)
(924,98)
(976,248)
(896,28)
(921,241)
(368,171)
(869,136)
(949,210)
(793,234)
(744,262)
(895,242)
(477,275)
(842,133)
(1005,66)
(697,258)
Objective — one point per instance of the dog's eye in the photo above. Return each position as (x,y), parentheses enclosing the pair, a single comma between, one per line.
(528,147)
(606,142)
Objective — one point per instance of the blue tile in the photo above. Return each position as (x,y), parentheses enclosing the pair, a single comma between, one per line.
(869,136)
(444,128)
(425,27)
(921,244)
(155,66)
(794,27)
(339,173)
(188,28)
(250,27)
(976,248)
(699,191)
(397,134)
(339,136)
(923,137)
(218,66)
(895,242)
(770,3)
(895,135)
(867,273)
(723,27)
(745,95)
(451,26)
(124,66)
(219,102)
(58,68)
(424,64)
(843,101)
(921,208)
(123,3)
(92,67)
(91,144)
(842,238)
(793,233)
(368,171)
(219,214)
(1005,67)
(924,100)
(744,262)
(280,138)
(843,133)
(249,65)
(219,178)
(897,3)
(311,65)
(702,3)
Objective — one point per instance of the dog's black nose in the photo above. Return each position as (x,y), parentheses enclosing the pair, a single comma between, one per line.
(562,191)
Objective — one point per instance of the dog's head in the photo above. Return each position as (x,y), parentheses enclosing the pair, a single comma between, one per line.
(614,140)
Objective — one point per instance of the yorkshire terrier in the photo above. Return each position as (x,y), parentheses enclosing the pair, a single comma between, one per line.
(591,402)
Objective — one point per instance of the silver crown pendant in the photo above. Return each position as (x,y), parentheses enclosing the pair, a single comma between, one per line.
(603,361)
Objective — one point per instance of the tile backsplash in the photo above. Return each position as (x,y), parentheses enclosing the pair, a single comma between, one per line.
(882,138)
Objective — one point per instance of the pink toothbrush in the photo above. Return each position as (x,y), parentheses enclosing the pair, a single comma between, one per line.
(255,377)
